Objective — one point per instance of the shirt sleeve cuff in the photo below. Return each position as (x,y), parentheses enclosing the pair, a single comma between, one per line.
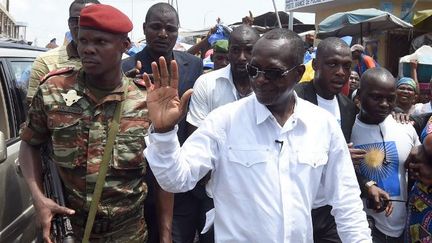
(161,137)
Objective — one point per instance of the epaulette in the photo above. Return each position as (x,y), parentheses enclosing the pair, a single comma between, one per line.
(139,82)
(56,72)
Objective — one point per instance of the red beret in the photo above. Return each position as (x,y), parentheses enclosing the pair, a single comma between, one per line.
(105,18)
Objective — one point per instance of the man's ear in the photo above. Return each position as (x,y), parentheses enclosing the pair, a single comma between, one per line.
(144,26)
(301,70)
(125,44)
(314,64)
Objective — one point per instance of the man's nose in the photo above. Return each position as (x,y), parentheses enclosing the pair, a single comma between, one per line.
(163,33)
(340,70)
(384,103)
(89,49)
(243,56)
(260,79)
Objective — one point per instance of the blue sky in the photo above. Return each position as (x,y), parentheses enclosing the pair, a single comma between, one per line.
(47,19)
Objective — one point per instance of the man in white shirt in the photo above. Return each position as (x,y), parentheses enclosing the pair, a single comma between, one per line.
(227,84)
(212,90)
(266,162)
(387,144)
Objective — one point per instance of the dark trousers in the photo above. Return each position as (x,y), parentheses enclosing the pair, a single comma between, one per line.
(324,226)
(189,216)
(380,237)
(150,214)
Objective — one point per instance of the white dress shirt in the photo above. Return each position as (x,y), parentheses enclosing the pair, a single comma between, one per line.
(265,177)
(211,90)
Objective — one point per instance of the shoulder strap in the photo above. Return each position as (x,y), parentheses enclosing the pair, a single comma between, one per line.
(56,72)
(104,167)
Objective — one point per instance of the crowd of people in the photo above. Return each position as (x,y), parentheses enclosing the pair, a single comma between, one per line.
(150,148)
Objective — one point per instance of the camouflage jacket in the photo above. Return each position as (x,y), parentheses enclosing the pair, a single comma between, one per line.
(60,57)
(78,133)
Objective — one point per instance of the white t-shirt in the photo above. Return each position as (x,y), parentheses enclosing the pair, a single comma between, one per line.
(331,106)
(394,145)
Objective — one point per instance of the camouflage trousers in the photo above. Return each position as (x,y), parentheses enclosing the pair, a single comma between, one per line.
(133,229)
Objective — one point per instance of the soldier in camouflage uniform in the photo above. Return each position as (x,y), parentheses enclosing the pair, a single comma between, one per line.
(73,109)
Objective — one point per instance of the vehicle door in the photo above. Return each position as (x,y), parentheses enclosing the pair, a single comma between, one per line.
(17,221)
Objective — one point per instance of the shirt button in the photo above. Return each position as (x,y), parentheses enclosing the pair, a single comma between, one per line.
(247,163)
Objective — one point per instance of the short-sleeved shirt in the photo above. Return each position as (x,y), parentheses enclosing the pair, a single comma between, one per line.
(79,132)
(387,146)
(364,64)
(60,57)
(211,90)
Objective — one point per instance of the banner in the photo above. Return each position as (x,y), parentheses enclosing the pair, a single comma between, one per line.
(295,4)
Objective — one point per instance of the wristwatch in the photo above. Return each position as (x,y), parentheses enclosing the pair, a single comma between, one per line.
(369,184)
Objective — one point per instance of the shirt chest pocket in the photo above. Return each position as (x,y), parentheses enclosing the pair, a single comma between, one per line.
(248,156)
(66,132)
(129,146)
(313,159)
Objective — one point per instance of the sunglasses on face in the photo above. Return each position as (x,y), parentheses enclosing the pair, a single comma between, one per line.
(269,74)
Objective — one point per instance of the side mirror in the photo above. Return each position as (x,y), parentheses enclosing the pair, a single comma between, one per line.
(3,149)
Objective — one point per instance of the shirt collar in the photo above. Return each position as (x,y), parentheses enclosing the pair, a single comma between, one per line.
(300,111)
(114,95)
(226,73)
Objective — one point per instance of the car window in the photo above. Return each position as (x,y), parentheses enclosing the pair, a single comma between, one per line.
(17,74)
(4,121)
(21,73)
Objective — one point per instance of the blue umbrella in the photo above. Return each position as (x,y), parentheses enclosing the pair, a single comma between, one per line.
(358,21)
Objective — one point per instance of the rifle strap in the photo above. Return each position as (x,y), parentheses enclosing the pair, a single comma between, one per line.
(113,129)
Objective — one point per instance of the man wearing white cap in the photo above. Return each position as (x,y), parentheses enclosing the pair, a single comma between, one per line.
(363,61)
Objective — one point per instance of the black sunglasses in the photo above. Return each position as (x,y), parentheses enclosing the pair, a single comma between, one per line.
(270,74)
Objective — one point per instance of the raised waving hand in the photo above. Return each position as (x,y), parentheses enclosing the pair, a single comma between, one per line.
(165,107)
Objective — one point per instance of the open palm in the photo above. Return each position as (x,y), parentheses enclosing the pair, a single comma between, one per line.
(165,108)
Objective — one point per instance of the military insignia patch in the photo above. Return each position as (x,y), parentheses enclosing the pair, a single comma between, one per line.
(71,97)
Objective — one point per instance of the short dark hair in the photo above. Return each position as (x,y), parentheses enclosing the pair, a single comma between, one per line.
(161,8)
(296,43)
(373,74)
(81,2)
(243,28)
(330,43)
